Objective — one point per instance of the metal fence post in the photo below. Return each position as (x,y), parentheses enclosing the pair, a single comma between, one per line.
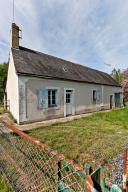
(59,170)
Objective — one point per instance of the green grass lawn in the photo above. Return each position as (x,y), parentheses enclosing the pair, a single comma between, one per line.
(3,185)
(89,139)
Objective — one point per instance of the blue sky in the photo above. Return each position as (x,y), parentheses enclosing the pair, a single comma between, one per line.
(90,32)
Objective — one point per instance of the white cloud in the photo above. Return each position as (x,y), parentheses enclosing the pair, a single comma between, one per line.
(93,32)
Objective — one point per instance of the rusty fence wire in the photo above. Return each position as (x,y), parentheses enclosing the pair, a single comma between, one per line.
(30,166)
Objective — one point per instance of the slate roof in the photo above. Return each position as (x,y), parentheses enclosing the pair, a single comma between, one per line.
(33,63)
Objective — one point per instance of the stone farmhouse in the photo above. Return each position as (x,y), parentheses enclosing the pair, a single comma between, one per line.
(41,87)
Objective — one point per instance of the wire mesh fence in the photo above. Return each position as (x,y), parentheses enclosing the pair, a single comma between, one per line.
(30,166)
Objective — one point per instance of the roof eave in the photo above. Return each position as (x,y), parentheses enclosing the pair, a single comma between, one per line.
(58,78)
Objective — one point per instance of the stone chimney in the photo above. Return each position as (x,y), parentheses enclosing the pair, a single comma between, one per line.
(14,38)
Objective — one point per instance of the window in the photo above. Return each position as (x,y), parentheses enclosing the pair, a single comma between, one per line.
(52,98)
(47,98)
(94,95)
(68,96)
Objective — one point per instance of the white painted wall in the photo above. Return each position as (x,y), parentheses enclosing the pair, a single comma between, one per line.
(83,99)
(12,89)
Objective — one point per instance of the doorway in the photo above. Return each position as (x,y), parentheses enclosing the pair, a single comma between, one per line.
(68,102)
(117,100)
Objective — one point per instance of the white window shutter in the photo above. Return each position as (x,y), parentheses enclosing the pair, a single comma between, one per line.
(39,98)
(98,95)
(58,97)
(43,98)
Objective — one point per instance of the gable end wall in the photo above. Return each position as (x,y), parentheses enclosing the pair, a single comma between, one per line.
(12,89)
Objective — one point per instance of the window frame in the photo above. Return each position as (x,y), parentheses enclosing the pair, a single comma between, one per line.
(96,94)
(50,98)
(44,97)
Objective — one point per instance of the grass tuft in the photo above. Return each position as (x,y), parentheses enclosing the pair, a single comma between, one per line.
(3,185)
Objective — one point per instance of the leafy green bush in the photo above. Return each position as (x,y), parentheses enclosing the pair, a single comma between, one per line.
(3,78)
